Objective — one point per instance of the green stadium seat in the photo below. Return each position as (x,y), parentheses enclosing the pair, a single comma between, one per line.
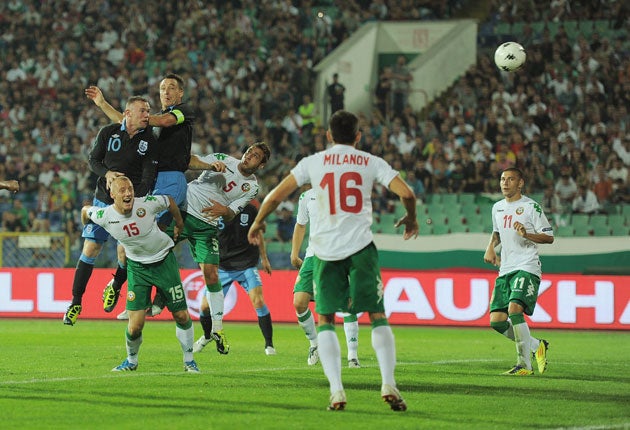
(602,230)
(434,209)
(458,228)
(582,232)
(437,219)
(470,211)
(621,231)
(390,229)
(387,219)
(453,213)
(599,221)
(449,199)
(616,221)
(441,229)
(426,229)
(476,228)
(565,231)
(466,199)
(625,210)
(476,219)
(580,222)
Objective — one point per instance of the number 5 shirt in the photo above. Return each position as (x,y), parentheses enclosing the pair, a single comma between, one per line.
(518,253)
(138,231)
(342,178)
(229,188)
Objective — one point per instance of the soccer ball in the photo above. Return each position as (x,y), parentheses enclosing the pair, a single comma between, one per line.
(509,56)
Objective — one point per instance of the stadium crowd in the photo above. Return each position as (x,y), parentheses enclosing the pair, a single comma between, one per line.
(248,66)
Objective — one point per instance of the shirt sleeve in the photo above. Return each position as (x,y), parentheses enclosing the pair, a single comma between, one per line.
(302,212)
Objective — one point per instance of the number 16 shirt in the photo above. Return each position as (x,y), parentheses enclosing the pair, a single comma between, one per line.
(342,179)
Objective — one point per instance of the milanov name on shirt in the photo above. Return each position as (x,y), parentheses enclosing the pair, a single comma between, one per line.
(339,159)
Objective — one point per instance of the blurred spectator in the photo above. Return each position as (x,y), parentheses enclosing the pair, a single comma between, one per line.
(16,218)
(585,202)
(286,221)
(552,206)
(336,94)
(401,85)
(566,188)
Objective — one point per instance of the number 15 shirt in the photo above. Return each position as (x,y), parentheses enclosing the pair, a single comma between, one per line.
(137,231)
(342,179)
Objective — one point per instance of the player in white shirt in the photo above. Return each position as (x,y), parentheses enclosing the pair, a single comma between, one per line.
(518,225)
(303,289)
(346,271)
(222,192)
(150,260)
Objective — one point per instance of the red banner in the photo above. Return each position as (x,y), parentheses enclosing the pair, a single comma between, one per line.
(412,298)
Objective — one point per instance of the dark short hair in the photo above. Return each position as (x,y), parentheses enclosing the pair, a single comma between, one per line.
(134,99)
(178,78)
(516,170)
(264,148)
(344,127)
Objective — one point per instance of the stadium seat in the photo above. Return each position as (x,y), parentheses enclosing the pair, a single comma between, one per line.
(625,210)
(450,199)
(470,211)
(565,231)
(621,231)
(580,222)
(437,219)
(387,219)
(599,221)
(476,228)
(426,229)
(616,221)
(602,230)
(458,228)
(434,209)
(441,229)
(466,199)
(453,213)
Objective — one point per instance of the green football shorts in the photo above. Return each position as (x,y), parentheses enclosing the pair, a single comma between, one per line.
(351,285)
(164,275)
(202,239)
(519,286)
(304,280)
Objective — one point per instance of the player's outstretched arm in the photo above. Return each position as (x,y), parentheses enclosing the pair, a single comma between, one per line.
(490,256)
(11,185)
(95,94)
(534,237)
(296,243)
(408,199)
(271,202)
(177,217)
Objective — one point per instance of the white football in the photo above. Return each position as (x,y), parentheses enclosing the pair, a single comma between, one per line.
(509,56)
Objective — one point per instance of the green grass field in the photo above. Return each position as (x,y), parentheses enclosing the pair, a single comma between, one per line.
(58,377)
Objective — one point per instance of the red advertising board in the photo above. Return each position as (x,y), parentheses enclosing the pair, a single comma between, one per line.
(569,301)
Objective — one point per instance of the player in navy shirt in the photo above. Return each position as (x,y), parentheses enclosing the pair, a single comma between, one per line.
(127,149)
(238,261)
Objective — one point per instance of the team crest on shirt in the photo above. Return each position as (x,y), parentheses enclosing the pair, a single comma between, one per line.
(520,210)
(142,147)
(141,212)
(245,187)
(131,296)
(244,219)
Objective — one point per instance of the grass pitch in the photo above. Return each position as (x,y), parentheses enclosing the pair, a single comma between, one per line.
(59,377)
